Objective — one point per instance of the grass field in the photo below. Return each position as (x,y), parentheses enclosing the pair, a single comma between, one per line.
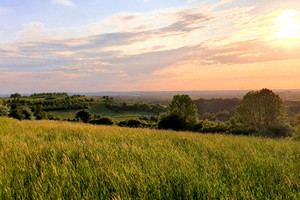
(60,160)
(100,108)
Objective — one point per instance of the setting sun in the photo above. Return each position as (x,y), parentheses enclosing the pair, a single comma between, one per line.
(289,26)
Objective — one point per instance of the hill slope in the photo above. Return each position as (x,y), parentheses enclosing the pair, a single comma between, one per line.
(45,159)
(100,108)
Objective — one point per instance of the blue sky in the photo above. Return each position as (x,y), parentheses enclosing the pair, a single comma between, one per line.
(117,45)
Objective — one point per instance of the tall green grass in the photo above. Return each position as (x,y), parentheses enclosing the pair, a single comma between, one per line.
(60,160)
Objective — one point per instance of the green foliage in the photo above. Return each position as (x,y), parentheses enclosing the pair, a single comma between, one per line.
(17,113)
(134,123)
(48,95)
(214,127)
(4,110)
(243,130)
(172,122)
(278,131)
(39,113)
(103,121)
(52,104)
(60,160)
(184,107)
(136,107)
(84,116)
(15,95)
(216,109)
(220,116)
(28,115)
(296,133)
(261,109)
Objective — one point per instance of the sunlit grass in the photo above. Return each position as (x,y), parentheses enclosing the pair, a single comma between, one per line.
(54,160)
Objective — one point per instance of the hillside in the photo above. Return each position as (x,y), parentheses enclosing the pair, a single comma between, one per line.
(46,159)
(100,108)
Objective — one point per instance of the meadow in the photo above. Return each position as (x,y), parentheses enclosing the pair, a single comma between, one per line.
(62,160)
(100,108)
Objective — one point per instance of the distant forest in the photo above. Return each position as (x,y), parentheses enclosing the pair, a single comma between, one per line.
(216,115)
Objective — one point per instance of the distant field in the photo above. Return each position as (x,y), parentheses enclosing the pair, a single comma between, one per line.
(55,160)
(99,108)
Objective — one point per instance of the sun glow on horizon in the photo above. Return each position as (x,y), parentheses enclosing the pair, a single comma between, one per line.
(289,26)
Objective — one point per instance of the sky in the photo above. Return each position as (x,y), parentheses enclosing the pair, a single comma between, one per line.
(148,45)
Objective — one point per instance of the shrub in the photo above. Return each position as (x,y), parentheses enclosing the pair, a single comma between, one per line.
(242,130)
(40,115)
(133,123)
(279,131)
(4,110)
(17,114)
(84,116)
(214,127)
(27,113)
(172,121)
(103,121)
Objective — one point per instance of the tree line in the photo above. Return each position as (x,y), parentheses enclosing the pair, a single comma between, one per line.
(135,107)
(259,113)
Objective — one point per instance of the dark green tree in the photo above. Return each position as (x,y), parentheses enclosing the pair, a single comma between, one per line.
(15,95)
(261,109)
(27,113)
(39,113)
(184,107)
(172,121)
(17,113)
(84,116)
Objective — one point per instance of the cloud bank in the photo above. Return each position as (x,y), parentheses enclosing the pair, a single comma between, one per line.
(191,48)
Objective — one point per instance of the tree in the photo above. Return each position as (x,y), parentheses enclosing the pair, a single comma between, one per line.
(39,113)
(184,107)
(17,114)
(27,113)
(15,95)
(261,109)
(84,116)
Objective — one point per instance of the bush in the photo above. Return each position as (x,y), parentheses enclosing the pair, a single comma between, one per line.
(214,127)
(27,113)
(84,116)
(103,121)
(17,114)
(4,110)
(278,131)
(172,121)
(40,115)
(242,130)
(133,123)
